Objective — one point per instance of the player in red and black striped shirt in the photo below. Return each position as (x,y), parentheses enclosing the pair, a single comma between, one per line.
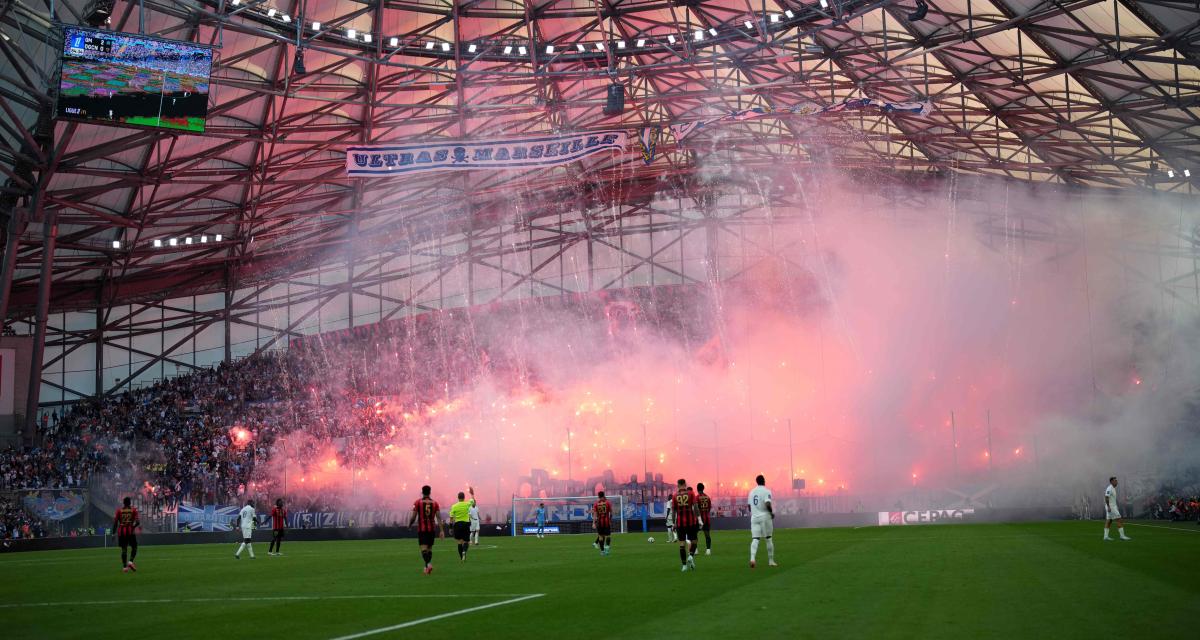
(278,524)
(687,522)
(126,523)
(426,514)
(704,504)
(602,518)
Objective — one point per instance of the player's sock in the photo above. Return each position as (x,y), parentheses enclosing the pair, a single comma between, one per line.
(753,549)
(124,558)
(770,550)
(1106,533)
(694,547)
(466,548)
(683,555)
(427,556)
(238,553)
(250,548)
(1121,532)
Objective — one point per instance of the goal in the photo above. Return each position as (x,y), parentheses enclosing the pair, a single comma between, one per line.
(571,514)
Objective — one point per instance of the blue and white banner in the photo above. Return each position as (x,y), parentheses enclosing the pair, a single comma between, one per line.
(207,517)
(464,155)
(685,129)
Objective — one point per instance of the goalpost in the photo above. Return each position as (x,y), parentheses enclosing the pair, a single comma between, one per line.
(569,514)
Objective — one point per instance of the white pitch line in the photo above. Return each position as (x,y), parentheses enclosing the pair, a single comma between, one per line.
(15,605)
(442,616)
(1159,526)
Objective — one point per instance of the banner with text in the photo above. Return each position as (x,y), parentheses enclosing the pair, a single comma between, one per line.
(463,155)
(929,516)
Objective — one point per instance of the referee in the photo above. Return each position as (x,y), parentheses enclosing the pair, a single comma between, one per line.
(460,519)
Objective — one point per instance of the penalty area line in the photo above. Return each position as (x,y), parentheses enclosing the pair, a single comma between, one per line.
(1159,526)
(441,616)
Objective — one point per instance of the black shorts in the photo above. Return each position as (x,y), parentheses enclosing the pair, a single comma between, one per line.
(126,540)
(277,534)
(707,525)
(426,538)
(687,533)
(604,531)
(462,530)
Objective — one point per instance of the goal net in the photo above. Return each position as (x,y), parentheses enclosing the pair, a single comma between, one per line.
(572,514)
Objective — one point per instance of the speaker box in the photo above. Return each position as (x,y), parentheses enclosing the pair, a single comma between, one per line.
(615,105)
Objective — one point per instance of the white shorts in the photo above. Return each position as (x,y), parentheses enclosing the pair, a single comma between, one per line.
(475,526)
(246,533)
(1113,514)
(761,526)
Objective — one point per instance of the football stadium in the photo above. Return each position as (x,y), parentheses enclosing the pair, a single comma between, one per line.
(341,319)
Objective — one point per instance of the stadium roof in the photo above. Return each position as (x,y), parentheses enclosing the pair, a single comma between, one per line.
(1087,92)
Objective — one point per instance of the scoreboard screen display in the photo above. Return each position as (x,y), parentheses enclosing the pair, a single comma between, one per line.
(134,80)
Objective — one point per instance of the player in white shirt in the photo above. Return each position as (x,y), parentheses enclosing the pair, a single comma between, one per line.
(1111,511)
(762,521)
(246,518)
(474,515)
(671,537)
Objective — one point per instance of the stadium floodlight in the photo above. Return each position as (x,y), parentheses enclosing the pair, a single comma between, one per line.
(351,33)
(522,50)
(472,48)
(445,47)
(116,244)
(570,514)
(599,46)
(620,44)
(1187,173)
(582,47)
(217,237)
(698,36)
(158,244)
(271,12)
(774,17)
(641,42)
(749,25)
(549,49)
(203,239)
(712,31)
(236,2)
(507,49)
(316,26)
(1171,173)
(789,14)
(285,18)
(671,38)
(366,37)
(394,42)
(187,240)
(429,46)
(173,241)
(824,4)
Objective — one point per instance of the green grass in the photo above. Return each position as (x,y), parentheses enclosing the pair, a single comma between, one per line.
(956,581)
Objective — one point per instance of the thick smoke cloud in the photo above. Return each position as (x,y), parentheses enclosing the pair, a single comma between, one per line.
(871,325)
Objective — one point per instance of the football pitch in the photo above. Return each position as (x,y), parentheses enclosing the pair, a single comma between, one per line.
(1055,579)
